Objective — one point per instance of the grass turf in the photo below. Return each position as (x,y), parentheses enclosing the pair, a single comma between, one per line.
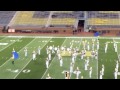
(37,67)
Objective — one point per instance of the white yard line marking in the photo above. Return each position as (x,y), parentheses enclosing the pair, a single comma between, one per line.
(76,57)
(18,52)
(117,51)
(97,59)
(9,44)
(52,61)
(29,60)
(65,37)
(3,38)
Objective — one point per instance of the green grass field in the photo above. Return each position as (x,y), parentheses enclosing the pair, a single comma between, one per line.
(26,68)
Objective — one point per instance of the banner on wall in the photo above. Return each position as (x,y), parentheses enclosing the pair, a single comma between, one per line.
(11,30)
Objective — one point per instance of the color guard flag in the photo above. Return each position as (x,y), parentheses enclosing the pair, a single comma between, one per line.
(15,55)
(96,34)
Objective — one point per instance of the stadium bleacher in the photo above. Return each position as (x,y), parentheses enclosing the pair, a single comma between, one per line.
(68,14)
(106,20)
(26,18)
(6,16)
(41,14)
(59,19)
(102,14)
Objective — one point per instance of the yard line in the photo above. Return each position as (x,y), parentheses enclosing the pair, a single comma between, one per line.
(3,38)
(56,37)
(18,52)
(117,51)
(97,59)
(77,56)
(52,60)
(9,44)
(30,60)
(66,37)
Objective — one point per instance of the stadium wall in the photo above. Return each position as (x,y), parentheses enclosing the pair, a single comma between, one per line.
(33,29)
(1,29)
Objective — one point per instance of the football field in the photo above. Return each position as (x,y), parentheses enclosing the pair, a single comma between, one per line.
(27,68)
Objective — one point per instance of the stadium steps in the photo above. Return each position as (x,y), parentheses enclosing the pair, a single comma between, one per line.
(49,19)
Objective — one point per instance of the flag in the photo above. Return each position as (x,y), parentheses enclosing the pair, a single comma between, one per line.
(96,34)
(15,55)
